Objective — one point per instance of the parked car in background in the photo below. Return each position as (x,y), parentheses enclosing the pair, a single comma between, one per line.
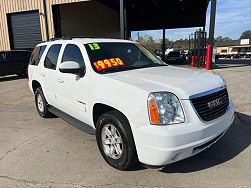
(174,57)
(234,55)
(14,62)
(158,54)
(184,54)
(247,54)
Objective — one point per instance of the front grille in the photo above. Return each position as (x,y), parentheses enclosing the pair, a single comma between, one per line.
(212,106)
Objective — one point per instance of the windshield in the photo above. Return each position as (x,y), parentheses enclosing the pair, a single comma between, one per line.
(113,57)
(174,54)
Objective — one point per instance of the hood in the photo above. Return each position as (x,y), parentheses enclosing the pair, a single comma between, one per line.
(180,81)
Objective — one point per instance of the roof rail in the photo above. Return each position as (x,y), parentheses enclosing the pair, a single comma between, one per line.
(62,38)
(66,38)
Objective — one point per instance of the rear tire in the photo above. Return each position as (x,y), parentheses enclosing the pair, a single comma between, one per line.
(115,140)
(41,104)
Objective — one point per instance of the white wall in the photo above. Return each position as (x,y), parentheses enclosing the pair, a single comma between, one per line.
(89,19)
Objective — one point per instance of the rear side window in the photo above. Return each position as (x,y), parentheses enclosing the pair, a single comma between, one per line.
(36,55)
(24,54)
(73,53)
(52,57)
(12,55)
(41,51)
(2,56)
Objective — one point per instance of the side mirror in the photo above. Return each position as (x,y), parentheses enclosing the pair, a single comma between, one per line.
(71,67)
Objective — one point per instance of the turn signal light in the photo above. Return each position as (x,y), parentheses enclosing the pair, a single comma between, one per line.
(153,111)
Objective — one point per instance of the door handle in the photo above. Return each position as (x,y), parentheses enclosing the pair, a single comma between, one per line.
(42,74)
(60,80)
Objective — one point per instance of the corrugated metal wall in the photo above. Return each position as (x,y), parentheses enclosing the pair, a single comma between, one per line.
(13,6)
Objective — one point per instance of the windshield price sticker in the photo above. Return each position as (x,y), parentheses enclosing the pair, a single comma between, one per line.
(108,63)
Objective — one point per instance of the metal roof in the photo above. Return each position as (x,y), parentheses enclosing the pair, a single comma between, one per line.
(162,14)
(165,14)
(231,43)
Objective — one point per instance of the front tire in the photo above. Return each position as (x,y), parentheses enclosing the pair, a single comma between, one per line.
(41,104)
(115,140)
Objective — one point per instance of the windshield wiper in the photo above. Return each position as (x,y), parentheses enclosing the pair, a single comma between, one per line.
(150,65)
(115,69)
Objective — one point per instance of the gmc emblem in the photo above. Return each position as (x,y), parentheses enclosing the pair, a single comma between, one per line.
(214,103)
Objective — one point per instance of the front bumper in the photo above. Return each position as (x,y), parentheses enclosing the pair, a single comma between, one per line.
(161,145)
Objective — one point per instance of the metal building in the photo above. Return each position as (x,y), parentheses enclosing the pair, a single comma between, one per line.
(24,23)
(233,47)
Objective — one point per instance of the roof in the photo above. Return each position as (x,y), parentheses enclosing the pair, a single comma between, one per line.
(230,43)
(162,14)
(85,40)
(168,14)
(227,43)
(93,40)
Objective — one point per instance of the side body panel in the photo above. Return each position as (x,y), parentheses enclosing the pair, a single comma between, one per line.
(72,90)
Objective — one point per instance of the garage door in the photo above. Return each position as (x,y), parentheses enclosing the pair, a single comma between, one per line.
(24,30)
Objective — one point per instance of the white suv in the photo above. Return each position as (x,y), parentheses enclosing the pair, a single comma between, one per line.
(141,109)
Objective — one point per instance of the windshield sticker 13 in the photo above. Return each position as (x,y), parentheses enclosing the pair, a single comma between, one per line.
(94,46)
(108,63)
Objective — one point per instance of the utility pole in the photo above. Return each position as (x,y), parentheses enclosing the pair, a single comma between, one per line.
(211,32)
(164,44)
(212,22)
(122,19)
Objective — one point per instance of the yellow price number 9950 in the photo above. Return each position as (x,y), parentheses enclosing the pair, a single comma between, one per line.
(108,63)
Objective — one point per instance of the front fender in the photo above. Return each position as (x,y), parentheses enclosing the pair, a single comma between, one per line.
(129,100)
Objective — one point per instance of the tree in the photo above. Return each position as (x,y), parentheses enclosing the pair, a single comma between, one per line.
(150,43)
(218,39)
(246,35)
(222,39)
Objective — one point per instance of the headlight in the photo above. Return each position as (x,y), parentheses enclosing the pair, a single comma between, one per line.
(164,108)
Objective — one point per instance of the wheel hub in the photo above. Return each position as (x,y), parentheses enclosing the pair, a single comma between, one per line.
(112,141)
(40,103)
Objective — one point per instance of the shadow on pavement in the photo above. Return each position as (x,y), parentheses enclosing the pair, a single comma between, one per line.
(236,140)
(11,78)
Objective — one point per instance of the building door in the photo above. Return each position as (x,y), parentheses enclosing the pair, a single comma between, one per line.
(24,30)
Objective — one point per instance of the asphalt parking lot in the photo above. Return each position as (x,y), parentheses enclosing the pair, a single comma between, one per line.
(36,152)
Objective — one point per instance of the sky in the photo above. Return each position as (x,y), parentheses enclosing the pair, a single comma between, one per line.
(232,18)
